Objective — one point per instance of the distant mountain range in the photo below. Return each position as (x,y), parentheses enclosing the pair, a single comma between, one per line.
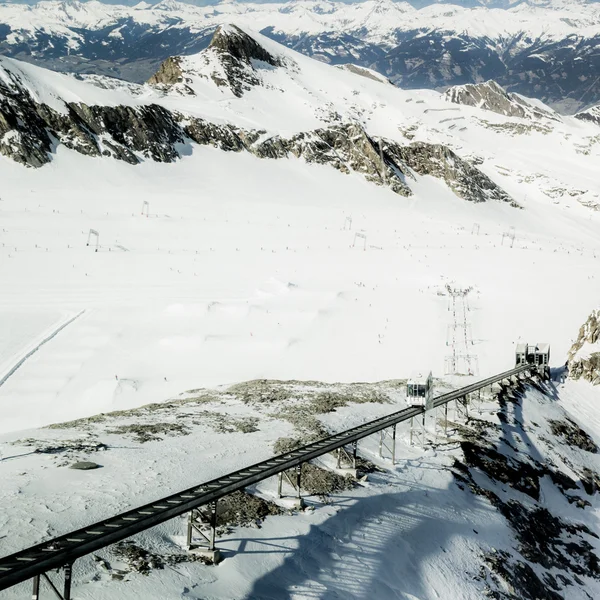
(546,50)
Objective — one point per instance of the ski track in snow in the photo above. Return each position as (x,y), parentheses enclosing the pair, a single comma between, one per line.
(37,347)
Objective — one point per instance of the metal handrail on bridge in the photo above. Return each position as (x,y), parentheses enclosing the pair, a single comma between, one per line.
(62,551)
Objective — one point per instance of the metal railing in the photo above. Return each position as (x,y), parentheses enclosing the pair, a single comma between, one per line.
(62,551)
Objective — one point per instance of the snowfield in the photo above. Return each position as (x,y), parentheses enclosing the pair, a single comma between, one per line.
(248,268)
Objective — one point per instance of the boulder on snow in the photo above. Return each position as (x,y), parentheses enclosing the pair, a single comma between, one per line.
(85,465)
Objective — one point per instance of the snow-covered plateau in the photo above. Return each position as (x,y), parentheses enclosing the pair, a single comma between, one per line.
(257,248)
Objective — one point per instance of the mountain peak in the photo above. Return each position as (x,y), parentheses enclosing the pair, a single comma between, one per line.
(230,39)
(233,61)
(592,115)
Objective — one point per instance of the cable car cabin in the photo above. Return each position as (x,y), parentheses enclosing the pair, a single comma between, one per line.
(536,354)
(418,388)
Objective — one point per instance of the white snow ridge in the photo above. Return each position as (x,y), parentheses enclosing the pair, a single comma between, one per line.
(279,245)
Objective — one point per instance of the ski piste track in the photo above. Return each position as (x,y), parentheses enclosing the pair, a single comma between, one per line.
(19,364)
(62,551)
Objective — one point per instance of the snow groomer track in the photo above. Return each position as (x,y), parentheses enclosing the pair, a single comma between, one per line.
(61,552)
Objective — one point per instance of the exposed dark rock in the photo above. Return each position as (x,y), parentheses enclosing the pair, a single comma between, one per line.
(523,582)
(590,481)
(314,479)
(84,465)
(491,96)
(465,180)
(323,482)
(586,366)
(231,40)
(150,130)
(140,560)
(149,432)
(543,538)
(573,434)
(169,72)
(519,475)
(29,132)
(244,510)
(238,54)
(23,133)
(591,114)
(345,147)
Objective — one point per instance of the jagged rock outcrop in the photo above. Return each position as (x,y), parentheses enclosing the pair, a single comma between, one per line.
(465,180)
(233,60)
(584,355)
(29,131)
(346,147)
(591,114)
(23,134)
(491,96)
(169,72)
(170,76)
(237,54)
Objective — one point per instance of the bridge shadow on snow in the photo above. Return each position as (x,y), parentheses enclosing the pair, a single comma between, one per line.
(374,547)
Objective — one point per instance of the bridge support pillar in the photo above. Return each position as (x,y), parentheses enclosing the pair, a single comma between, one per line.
(382,435)
(206,527)
(446,419)
(66,595)
(343,456)
(68,579)
(295,482)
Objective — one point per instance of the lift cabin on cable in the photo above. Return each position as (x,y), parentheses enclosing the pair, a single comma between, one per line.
(533,354)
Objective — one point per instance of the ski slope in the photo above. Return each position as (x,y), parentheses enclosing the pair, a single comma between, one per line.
(243,270)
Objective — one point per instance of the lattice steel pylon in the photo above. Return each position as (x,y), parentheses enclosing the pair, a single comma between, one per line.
(459,336)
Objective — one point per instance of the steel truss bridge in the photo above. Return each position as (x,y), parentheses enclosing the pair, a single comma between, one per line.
(61,552)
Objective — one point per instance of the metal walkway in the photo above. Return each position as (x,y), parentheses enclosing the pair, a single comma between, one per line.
(64,550)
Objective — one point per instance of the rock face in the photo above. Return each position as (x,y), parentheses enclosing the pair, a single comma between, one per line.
(29,132)
(169,72)
(490,96)
(30,129)
(591,114)
(584,355)
(238,55)
(465,180)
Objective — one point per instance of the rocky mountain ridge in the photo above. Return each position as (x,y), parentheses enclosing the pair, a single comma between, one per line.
(546,52)
(491,96)
(30,129)
(591,114)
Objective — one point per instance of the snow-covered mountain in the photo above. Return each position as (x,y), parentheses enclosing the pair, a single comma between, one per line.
(542,50)
(244,95)
(196,271)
